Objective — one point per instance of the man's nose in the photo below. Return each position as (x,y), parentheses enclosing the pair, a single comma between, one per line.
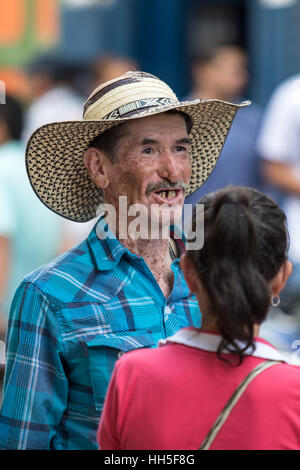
(169,167)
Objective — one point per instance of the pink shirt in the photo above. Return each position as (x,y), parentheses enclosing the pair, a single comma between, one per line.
(169,397)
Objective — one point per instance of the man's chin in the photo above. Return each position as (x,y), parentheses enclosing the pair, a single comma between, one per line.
(151,221)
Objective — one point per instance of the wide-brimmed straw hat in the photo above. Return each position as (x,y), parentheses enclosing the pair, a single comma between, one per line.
(54,154)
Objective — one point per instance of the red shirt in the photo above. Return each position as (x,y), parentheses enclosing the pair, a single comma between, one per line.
(169,397)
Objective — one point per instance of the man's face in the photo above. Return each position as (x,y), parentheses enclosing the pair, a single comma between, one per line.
(227,73)
(152,166)
(229,70)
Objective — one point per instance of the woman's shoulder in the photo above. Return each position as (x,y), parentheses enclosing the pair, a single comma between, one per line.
(164,359)
(280,384)
(286,372)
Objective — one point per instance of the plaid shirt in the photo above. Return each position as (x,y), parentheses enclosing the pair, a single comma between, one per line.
(69,323)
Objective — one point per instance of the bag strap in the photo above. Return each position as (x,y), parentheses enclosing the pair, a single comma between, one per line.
(214,430)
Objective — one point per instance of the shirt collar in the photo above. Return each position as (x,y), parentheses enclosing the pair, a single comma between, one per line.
(108,250)
(210,341)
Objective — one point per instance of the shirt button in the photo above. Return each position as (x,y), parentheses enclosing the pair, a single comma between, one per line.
(120,354)
(168,310)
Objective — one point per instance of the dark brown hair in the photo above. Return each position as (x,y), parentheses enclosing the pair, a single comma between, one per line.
(245,244)
(107,142)
(209,55)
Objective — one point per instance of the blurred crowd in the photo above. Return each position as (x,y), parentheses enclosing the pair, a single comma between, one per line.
(262,151)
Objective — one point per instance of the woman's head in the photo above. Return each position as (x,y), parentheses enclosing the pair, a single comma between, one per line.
(242,264)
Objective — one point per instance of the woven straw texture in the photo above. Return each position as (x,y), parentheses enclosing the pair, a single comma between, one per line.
(54,155)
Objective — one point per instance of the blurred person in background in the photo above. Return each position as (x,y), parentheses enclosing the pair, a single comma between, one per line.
(222,73)
(176,396)
(30,235)
(219,73)
(55,98)
(107,67)
(279,146)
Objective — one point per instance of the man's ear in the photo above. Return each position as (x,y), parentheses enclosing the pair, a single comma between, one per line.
(189,273)
(96,164)
(281,277)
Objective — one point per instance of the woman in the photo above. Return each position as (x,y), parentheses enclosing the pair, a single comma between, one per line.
(170,397)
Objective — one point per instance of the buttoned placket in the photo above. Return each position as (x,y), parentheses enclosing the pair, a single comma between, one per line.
(164,303)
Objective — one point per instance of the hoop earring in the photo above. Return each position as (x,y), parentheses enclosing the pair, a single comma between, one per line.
(275,300)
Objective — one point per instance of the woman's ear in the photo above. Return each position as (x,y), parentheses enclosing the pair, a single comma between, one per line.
(96,164)
(281,277)
(189,273)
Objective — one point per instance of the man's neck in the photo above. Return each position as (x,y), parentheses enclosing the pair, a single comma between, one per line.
(146,248)
(156,255)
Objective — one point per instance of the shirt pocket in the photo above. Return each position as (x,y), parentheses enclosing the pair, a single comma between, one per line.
(104,350)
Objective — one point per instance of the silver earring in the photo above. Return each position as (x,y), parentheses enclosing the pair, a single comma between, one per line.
(275,300)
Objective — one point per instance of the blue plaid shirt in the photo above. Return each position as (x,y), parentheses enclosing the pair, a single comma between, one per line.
(69,323)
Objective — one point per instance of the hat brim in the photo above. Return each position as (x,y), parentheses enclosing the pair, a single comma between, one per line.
(54,155)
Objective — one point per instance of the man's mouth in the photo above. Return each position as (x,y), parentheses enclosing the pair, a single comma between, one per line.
(168,195)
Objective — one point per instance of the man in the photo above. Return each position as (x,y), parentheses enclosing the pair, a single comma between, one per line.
(222,73)
(115,292)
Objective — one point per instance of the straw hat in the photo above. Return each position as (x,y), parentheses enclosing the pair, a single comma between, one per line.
(54,154)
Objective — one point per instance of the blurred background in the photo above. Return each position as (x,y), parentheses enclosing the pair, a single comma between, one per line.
(162,36)
(54,52)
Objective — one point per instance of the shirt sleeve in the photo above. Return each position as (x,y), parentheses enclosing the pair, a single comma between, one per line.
(280,126)
(35,385)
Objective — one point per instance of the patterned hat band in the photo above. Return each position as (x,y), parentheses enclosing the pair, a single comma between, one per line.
(135,107)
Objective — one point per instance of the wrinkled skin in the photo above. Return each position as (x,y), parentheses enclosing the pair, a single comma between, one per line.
(154,151)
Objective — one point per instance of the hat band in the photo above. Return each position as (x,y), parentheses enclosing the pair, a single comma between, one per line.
(135,107)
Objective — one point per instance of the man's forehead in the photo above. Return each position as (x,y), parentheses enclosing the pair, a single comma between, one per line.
(159,123)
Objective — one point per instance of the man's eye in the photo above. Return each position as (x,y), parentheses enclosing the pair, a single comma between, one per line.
(180,148)
(147,150)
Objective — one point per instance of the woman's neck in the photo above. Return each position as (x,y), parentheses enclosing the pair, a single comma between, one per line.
(209,324)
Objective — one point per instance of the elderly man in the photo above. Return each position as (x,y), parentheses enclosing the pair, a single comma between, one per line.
(115,292)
